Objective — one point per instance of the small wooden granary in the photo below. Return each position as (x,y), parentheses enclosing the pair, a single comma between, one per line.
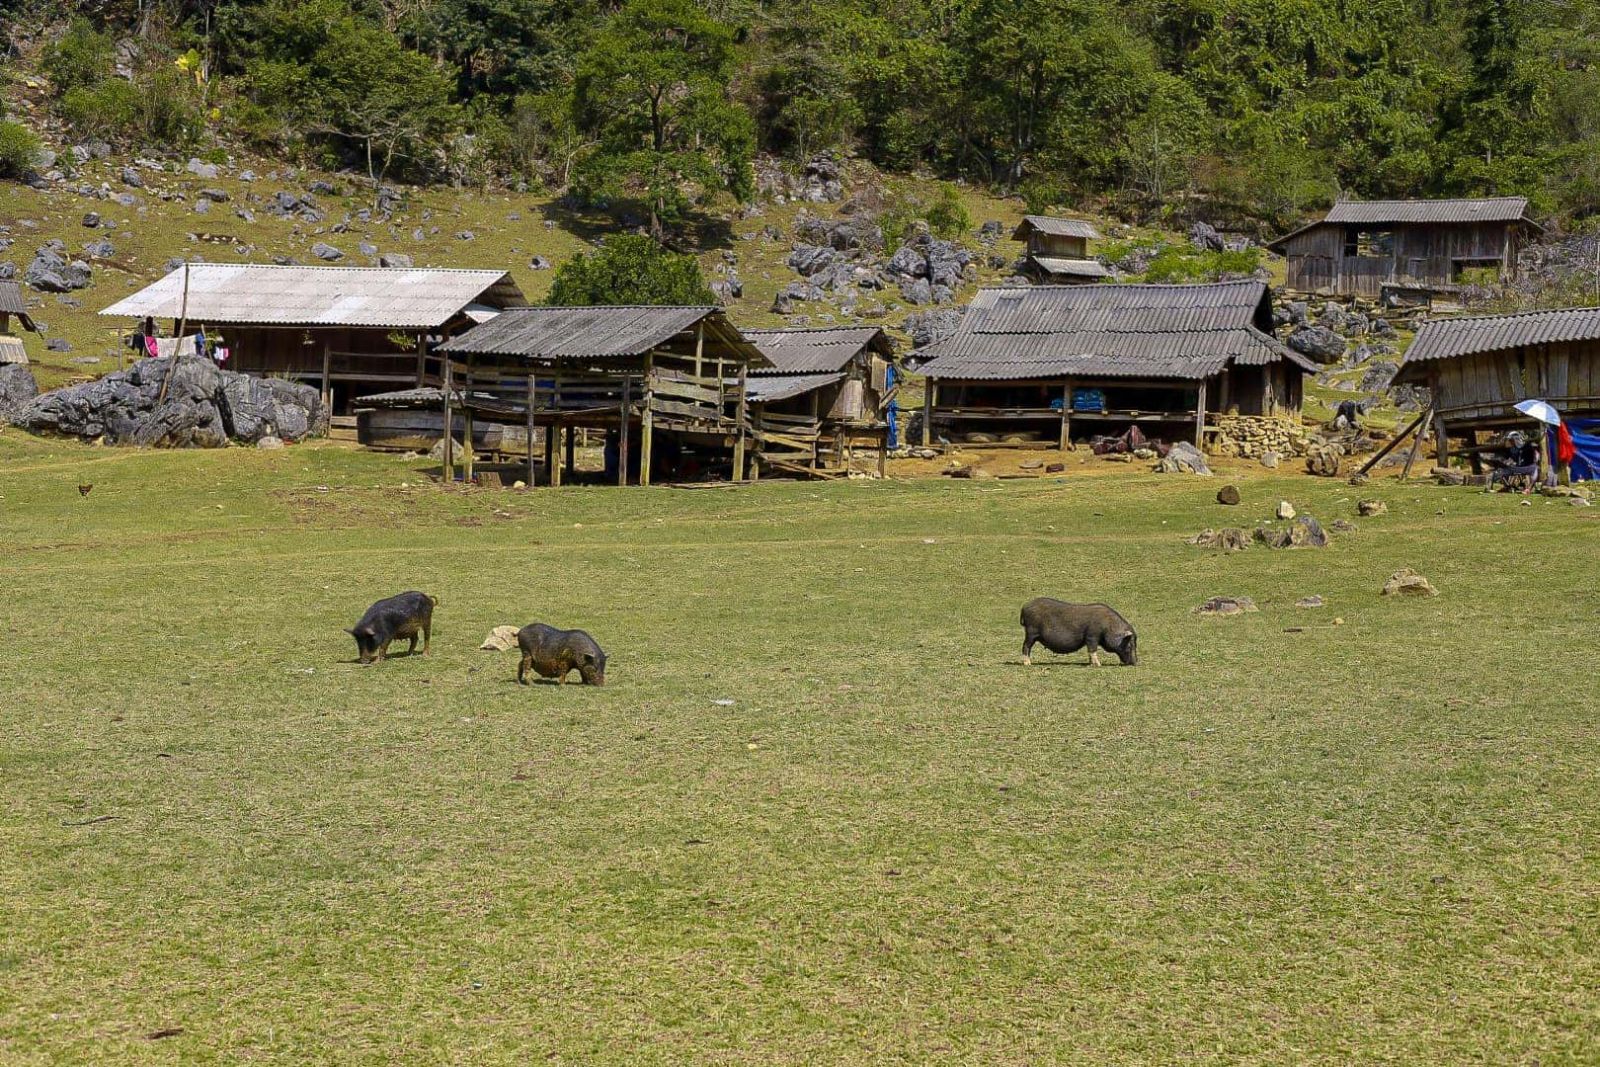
(823,402)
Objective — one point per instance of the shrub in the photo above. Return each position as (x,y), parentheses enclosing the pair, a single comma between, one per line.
(630,270)
(160,106)
(18,150)
(108,110)
(81,58)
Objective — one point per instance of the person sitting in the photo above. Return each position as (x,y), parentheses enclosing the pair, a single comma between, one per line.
(1521,463)
(1348,415)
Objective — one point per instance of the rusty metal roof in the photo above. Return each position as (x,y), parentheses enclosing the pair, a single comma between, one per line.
(12,301)
(770,387)
(262,294)
(1072,268)
(1107,330)
(1469,335)
(817,351)
(1055,227)
(561,334)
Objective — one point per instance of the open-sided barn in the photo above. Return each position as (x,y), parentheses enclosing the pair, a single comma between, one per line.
(1046,364)
(12,303)
(350,330)
(672,379)
(1478,367)
(1058,250)
(824,398)
(1369,247)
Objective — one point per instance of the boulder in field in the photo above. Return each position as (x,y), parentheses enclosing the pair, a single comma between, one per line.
(1408,582)
(1228,494)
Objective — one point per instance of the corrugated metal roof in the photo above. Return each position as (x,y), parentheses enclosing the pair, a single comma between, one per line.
(1449,338)
(1483,209)
(571,333)
(1418,212)
(12,301)
(1133,331)
(768,388)
(262,294)
(1055,227)
(1074,268)
(816,351)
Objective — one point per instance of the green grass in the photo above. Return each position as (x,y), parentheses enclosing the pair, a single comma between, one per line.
(1364,843)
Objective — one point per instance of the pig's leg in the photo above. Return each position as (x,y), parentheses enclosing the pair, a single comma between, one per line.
(412,650)
(427,635)
(383,650)
(522,668)
(1094,652)
(1029,637)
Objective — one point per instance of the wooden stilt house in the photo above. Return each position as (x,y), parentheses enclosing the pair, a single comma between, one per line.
(350,330)
(667,385)
(1045,365)
(1478,367)
(821,407)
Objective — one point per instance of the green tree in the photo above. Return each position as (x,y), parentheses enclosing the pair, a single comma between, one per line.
(79,59)
(630,270)
(653,92)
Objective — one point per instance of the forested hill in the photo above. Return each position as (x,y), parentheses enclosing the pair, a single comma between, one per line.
(1251,111)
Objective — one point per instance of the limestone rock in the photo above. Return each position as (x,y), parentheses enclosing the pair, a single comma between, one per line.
(1369,508)
(1408,582)
(1229,539)
(1227,605)
(500,639)
(17,389)
(1183,458)
(1285,510)
(1228,494)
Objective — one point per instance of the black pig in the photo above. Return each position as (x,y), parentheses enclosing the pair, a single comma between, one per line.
(554,653)
(405,615)
(1063,627)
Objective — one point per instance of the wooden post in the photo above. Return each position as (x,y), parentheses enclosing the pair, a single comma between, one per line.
(930,399)
(422,360)
(816,428)
(531,482)
(646,419)
(327,368)
(449,439)
(738,441)
(1066,414)
(1442,432)
(1200,417)
(1222,394)
(468,452)
(699,347)
(570,436)
(622,430)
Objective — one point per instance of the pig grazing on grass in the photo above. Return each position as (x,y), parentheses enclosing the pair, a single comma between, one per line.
(1063,627)
(553,653)
(405,615)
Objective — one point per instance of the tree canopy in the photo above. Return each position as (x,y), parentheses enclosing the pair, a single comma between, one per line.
(630,270)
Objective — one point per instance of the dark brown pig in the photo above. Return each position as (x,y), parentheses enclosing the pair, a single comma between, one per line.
(1063,627)
(553,653)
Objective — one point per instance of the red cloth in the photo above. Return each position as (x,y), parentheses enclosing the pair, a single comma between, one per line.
(1566,448)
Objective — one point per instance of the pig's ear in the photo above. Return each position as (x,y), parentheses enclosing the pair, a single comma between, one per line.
(588,658)
(351,631)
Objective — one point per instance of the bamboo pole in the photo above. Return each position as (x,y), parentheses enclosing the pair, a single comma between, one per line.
(469,453)
(622,431)
(183,323)
(1200,417)
(449,440)
(738,441)
(1416,425)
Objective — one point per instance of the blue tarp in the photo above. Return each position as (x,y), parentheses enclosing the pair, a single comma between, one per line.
(1586,436)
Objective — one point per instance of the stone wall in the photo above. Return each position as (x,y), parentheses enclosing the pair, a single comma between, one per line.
(1251,435)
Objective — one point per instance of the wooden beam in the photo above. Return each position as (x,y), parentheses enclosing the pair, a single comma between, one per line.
(622,431)
(1066,414)
(741,409)
(531,482)
(646,421)
(449,437)
(1200,415)
(469,453)
(422,361)
(1415,427)
(327,368)
(1416,446)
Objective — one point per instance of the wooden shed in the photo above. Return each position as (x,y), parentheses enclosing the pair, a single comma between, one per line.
(1369,248)
(1045,365)
(1058,250)
(666,384)
(822,405)
(349,330)
(1478,367)
(13,304)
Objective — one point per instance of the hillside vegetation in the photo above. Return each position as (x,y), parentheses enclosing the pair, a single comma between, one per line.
(1251,110)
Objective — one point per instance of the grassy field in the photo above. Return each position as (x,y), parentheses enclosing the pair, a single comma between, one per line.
(820,813)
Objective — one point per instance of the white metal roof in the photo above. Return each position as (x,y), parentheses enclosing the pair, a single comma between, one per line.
(259,294)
